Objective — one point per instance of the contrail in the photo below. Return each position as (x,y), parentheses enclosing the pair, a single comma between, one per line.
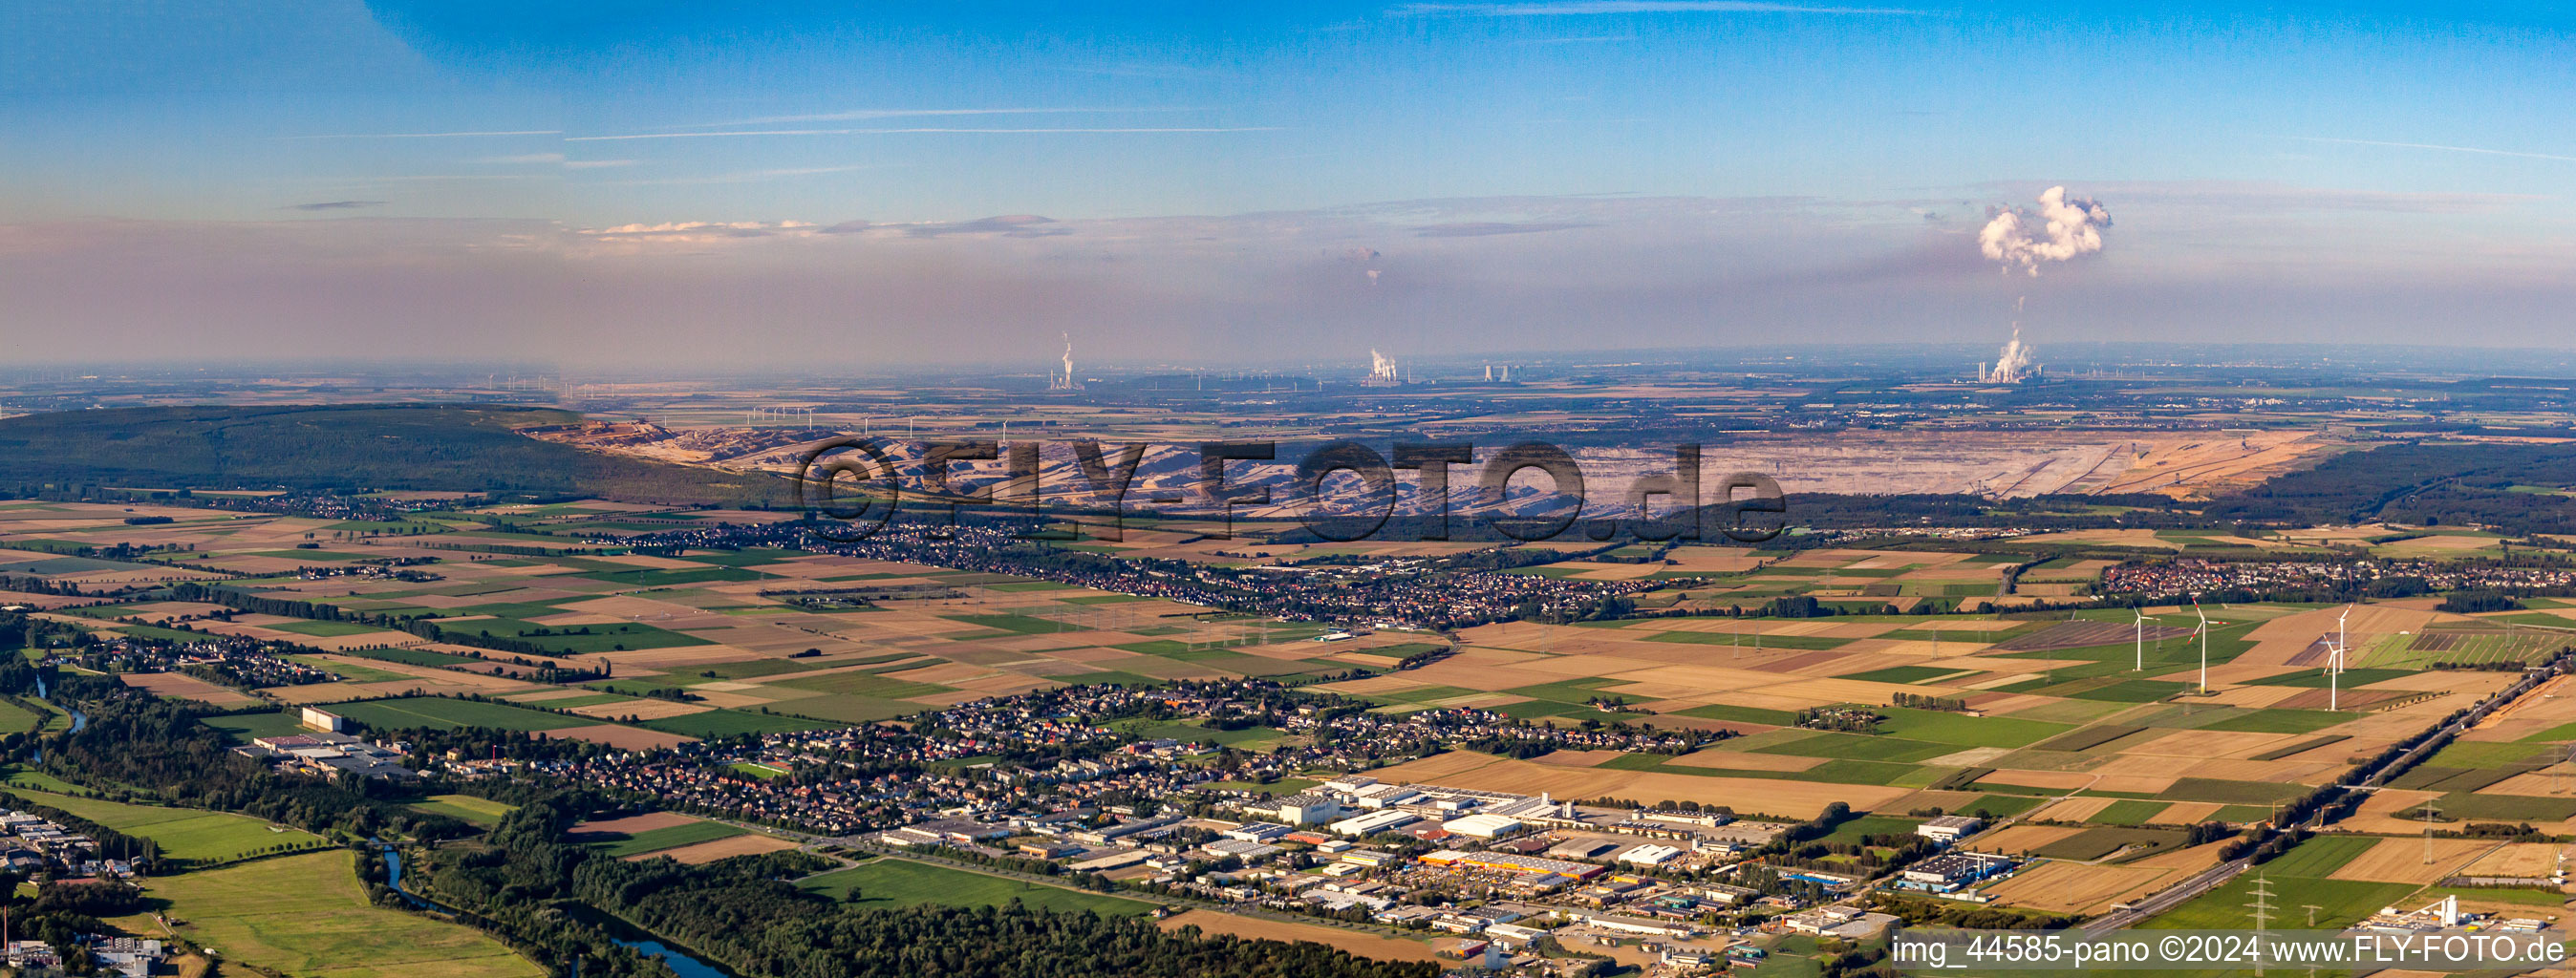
(919,129)
(2448,149)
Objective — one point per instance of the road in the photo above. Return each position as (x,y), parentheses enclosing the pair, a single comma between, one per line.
(2216,876)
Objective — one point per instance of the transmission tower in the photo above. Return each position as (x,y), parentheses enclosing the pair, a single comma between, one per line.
(2261,905)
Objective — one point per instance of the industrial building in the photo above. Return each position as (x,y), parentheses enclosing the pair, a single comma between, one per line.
(1483,826)
(1947,829)
(1374,823)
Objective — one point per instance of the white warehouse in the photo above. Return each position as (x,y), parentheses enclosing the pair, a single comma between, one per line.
(1374,823)
(1649,855)
(1483,826)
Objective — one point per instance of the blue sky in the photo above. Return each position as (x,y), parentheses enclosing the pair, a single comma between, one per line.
(608,182)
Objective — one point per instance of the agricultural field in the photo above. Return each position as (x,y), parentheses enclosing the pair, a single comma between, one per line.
(1361,943)
(651,841)
(683,837)
(894,882)
(2082,886)
(189,834)
(754,641)
(481,812)
(19,719)
(2309,874)
(2092,709)
(2102,736)
(307,915)
(449,714)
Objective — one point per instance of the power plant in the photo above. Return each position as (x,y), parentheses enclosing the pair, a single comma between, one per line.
(1064,381)
(1383,371)
(2014,366)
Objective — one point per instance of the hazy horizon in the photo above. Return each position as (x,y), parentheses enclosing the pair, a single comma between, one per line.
(645,187)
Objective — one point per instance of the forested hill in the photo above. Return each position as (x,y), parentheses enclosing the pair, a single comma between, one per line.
(421,447)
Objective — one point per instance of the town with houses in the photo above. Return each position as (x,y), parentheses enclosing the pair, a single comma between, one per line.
(1489,872)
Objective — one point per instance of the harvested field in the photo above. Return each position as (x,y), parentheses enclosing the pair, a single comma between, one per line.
(2215,743)
(2073,810)
(2402,860)
(707,852)
(641,709)
(2379,813)
(2085,634)
(186,687)
(633,824)
(2023,838)
(1356,942)
(1972,757)
(2185,813)
(2197,857)
(1580,758)
(2520,859)
(2078,888)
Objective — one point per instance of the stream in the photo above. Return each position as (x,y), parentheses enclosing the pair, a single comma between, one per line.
(80,720)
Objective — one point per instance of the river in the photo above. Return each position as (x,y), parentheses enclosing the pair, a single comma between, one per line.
(80,720)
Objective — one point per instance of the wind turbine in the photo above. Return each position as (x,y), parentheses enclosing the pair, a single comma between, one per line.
(2334,668)
(2343,638)
(2143,619)
(2203,631)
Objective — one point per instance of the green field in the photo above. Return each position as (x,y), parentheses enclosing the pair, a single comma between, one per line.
(416,657)
(656,840)
(466,808)
(183,833)
(324,629)
(1902,674)
(20,778)
(1015,624)
(1966,731)
(435,713)
(1857,747)
(2296,881)
(2279,721)
(2128,811)
(2097,843)
(1741,714)
(350,671)
(1851,831)
(244,727)
(19,719)
(849,709)
(904,883)
(307,915)
(581,638)
(730,723)
(863,684)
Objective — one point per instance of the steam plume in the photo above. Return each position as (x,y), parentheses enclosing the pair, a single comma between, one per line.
(2066,227)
